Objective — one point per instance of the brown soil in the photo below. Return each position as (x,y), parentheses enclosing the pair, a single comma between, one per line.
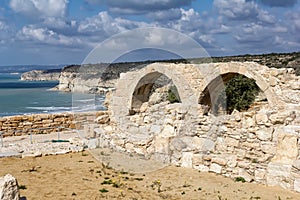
(81,176)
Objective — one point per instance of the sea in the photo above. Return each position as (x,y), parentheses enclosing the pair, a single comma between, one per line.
(32,97)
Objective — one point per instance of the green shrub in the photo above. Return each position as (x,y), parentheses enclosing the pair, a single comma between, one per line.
(240,179)
(239,93)
(173,96)
(103,190)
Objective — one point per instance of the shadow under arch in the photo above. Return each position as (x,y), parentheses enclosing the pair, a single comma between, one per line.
(145,86)
(215,83)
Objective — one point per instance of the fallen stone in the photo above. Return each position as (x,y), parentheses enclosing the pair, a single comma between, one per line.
(215,168)
(9,189)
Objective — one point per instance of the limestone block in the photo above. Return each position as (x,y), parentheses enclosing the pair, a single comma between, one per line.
(277,118)
(280,170)
(251,145)
(220,144)
(261,118)
(103,119)
(3,119)
(279,174)
(215,168)
(273,81)
(187,159)
(265,134)
(161,145)
(287,148)
(268,148)
(9,189)
(144,107)
(201,168)
(297,185)
(296,164)
(244,164)
(232,161)
(259,175)
(155,129)
(219,160)
(178,144)
(232,142)
(250,122)
(243,173)
(168,131)
(197,159)
(108,128)
(295,85)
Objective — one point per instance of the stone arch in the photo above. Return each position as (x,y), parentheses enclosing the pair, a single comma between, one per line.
(213,81)
(143,89)
(180,74)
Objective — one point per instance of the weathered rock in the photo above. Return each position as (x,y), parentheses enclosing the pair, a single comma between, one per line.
(264,134)
(9,188)
(220,161)
(243,173)
(287,148)
(261,118)
(297,185)
(187,159)
(215,168)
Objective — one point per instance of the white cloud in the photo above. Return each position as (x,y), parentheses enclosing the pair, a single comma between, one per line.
(40,8)
(243,10)
(45,36)
(107,25)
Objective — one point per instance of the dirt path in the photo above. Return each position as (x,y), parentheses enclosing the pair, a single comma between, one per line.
(81,176)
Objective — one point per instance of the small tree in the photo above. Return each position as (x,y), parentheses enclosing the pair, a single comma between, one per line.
(240,93)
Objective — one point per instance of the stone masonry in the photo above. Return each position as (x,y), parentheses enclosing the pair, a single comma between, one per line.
(260,144)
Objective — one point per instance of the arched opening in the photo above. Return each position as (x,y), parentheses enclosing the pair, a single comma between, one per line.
(232,91)
(153,88)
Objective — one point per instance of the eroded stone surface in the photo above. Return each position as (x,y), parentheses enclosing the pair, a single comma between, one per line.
(9,189)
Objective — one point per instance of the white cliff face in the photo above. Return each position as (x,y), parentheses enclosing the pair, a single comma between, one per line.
(40,75)
(74,82)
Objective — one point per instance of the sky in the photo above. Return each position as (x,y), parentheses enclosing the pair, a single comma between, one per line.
(66,31)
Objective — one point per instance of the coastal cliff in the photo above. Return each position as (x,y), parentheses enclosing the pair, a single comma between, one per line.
(99,78)
(41,75)
(93,78)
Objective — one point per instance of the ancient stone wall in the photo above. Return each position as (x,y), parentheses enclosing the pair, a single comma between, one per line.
(259,145)
(45,123)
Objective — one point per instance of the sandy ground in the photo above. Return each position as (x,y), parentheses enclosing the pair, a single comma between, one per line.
(81,176)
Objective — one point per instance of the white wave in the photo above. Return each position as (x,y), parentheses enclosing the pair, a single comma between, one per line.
(51,108)
(85,100)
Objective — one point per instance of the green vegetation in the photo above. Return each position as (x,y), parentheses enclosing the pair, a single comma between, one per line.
(239,93)
(173,96)
(240,179)
(103,190)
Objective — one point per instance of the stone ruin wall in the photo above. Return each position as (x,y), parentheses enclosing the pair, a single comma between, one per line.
(260,145)
(46,123)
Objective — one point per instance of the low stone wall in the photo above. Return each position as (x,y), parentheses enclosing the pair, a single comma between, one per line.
(258,145)
(45,123)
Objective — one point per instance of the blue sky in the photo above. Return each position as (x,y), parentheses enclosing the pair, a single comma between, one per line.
(65,31)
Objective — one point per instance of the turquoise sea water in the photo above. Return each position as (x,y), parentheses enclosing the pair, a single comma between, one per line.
(28,97)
